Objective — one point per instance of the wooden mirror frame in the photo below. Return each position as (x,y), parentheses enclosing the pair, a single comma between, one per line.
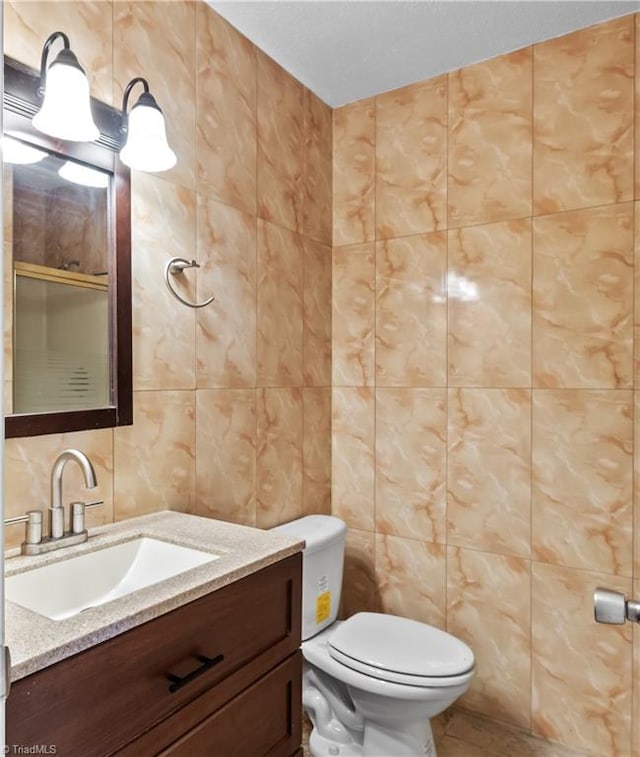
(21,103)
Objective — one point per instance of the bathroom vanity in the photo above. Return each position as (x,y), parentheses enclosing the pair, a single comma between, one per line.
(219,674)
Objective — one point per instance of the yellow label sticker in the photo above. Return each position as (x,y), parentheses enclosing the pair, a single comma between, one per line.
(323,606)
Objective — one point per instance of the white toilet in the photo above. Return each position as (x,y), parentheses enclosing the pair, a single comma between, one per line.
(371,683)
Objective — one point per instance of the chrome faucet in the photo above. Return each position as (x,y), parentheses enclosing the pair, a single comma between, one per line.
(56,511)
(34,543)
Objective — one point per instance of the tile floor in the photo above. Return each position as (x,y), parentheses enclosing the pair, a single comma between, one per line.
(459,733)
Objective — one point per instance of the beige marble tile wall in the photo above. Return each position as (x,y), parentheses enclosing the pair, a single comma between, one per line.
(485,395)
(481,353)
(232,404)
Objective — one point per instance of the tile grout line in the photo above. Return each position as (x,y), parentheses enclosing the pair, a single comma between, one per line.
(531,382)
(446,362)
(196,244)
(256,226)
(302,280)
(113,430)
(634,418)
(331,295)
(377,595)
(331,309)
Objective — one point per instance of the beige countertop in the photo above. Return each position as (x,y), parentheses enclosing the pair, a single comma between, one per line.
(37,642)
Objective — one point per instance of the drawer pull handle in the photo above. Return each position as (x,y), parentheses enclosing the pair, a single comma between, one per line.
(178,682)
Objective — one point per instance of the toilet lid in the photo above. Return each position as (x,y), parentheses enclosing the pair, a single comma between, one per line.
(399,646)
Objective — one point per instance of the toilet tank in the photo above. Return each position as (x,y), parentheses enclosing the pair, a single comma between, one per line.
(322,564)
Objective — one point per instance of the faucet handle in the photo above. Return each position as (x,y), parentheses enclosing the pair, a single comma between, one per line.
(78,514)
(33,519)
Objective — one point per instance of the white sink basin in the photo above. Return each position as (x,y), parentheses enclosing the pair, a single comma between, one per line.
(66,588)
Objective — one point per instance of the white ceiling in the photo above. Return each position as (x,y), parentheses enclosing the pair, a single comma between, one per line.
(344,51)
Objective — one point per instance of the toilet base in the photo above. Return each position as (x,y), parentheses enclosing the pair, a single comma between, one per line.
(357,715)
(319,746)
(342,729)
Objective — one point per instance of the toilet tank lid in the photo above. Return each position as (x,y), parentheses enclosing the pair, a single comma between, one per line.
(401,645)
(316,530)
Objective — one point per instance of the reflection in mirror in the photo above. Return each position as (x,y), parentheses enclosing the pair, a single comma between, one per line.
(67,292)
(60,241)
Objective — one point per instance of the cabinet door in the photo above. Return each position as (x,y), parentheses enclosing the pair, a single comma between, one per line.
(262,721)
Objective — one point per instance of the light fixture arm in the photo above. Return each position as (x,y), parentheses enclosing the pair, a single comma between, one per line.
(45,54)
(125,99)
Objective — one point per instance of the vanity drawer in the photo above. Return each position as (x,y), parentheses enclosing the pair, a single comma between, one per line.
(259,722)
(96,702)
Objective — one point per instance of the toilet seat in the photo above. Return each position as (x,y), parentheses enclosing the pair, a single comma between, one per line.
(316,651)
(400,650)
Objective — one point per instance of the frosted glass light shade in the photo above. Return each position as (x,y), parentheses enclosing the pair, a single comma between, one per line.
(66,109)
(146,148)
(87,177)
(17,152)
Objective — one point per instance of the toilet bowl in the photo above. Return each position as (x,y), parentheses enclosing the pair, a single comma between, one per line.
(371,683)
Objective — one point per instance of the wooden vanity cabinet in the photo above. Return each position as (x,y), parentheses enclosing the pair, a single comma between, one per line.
(218,677)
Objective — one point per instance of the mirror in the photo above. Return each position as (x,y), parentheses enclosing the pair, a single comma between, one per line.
(67,242)
(60,247)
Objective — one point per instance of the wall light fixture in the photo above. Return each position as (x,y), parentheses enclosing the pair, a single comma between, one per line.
(66,107)
(146,147)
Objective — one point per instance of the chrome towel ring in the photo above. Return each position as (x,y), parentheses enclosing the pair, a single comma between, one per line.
(176,266)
